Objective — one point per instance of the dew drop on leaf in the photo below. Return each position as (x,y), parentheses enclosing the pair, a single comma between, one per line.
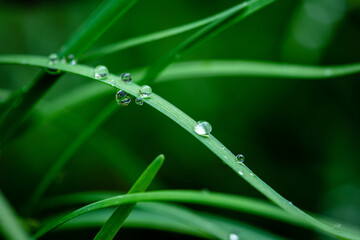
(139,101)
(203,128)
(233,236)
(240,158)
(122,98)
(145,91)
(125,77)
(53,59)
(101,72)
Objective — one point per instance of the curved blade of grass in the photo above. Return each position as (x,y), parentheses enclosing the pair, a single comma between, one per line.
(227,201)
(137,219)
(185,216)
(238,13)
(204,223)
(132,42)
(210,142)
(101,19)
(143,216)
(68,153)
(117,219)
(10,226)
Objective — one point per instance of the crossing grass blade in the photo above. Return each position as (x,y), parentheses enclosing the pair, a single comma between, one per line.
(238,13)
(132,42)
(117,219)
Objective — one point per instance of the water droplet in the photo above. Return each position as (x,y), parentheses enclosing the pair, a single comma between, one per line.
(252,174)
(122,98)
(53,59)
(290,203)
(241,173)
(145,91)
(70,59)
(203,128)
(337,226)
(233,236)
(125,77)
(101,72)
(139,101)
(240,158)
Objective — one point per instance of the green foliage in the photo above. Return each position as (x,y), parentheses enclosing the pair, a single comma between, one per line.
(113,148)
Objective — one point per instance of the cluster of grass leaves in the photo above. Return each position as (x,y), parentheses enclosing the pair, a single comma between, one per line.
(163,216)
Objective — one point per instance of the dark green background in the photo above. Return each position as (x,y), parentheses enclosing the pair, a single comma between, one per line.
(302,137)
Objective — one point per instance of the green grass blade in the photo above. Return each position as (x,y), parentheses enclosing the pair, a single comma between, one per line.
(10,226)
(68,153)
(185,216)
(144,216)
(117,219)
(137,219)
(188,124)
(96,25)
(102,18)
(232,202)
(132,42)
(238,13)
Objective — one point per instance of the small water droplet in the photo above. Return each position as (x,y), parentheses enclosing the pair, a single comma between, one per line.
(233,236)
(53,59)
(203,128)
(252,174)
(337,226)
(139,101)
(145,91)
(290,203)
(122,98)
(241,173)
(125,77)
(70,59)
(240,158)
(101,72)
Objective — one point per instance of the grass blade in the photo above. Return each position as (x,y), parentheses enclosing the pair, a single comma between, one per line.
(238,13)
(227,201)
(132,42)
(117,219)
(210,142)
(68,153)
(101,19)
(10,226)
(96,25)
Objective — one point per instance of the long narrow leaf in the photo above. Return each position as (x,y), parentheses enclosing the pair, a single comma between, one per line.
(117,219)
(238,13)
(227,201)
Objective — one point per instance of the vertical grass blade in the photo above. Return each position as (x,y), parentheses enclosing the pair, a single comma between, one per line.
(10,227)
(117,219)
(238,13)
(68,153)
(101,19)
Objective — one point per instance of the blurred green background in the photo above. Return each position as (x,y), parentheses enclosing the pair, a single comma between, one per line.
(302,137)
